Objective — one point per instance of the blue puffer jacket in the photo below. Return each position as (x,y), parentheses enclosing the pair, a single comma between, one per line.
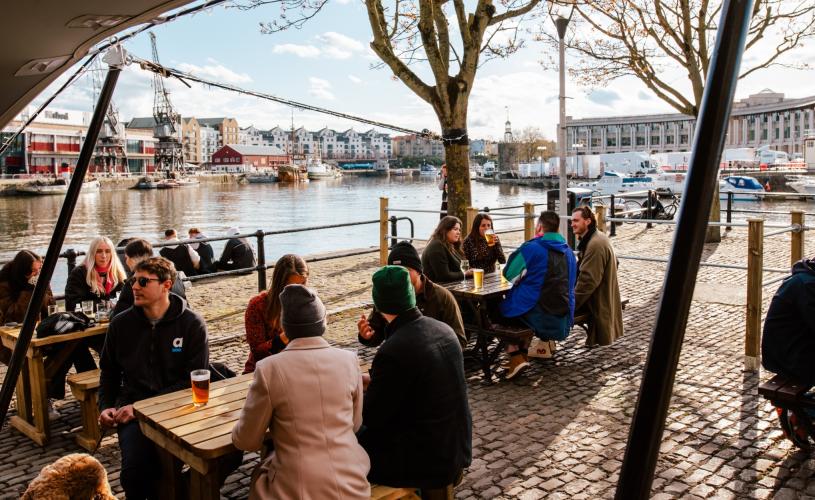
(788,343)
(534,256)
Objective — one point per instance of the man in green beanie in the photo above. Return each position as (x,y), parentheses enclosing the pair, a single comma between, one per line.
(417,427)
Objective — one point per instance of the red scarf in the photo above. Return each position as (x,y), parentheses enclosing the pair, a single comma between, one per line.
(103,279)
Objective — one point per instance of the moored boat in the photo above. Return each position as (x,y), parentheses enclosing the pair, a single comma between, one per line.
(743,187)
(428,170)
(319,170)
(802,184)
(55,187)
(289,173)
(146,183)
(265,177)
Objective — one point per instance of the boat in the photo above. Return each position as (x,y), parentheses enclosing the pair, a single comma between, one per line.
(55,187)
(290,173)
(428,169)
(265,177)
(176,182)
(743,187)
(401,172)
(146,183)
(802,184)
(615,183)
(319,170)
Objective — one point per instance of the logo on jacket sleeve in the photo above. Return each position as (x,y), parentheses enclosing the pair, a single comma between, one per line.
(178,343)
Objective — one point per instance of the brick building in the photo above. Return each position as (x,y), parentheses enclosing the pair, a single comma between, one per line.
(239,157)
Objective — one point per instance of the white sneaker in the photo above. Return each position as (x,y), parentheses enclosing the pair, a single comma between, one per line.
(53,414)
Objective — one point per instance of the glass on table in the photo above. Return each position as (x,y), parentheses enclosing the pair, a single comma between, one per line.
(200,387)
(500,268)
(478,278)
(465,266)
(87,307)
(103,311)
(60,305)
(53,309)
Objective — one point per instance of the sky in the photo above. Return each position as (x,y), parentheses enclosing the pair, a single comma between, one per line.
(328,63)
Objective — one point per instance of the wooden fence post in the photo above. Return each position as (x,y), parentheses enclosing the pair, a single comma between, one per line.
(755,265)
(529,221)
(471,213)
(600,214)
(797,237)
(383,230)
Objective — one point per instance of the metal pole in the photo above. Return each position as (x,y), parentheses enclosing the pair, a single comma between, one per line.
(561,23)
(261,260)
(52,255)
(394,229)
(729,210)
(649,209)
(642,450)
(612,231)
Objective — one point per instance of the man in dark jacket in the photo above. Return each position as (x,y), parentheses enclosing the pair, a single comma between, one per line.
(136,251)
(788,343)
(545,272)
(432,300)
(237,253)
(150,350)
(204,250)
(183,257)
(417,424)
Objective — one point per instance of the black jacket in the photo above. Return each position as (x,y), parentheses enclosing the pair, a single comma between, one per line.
(126,297)
(237,254)
(77,289)
(179,255)
(417,427)
(788,342)
(207,263)
(140,360)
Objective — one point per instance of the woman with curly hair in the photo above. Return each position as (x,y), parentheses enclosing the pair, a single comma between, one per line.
(441,258)
(264,332)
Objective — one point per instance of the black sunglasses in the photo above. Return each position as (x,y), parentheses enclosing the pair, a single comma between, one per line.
(142,281)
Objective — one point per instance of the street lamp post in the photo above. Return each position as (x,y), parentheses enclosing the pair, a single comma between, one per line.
(561,15)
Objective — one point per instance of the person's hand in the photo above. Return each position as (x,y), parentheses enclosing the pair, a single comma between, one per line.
(366,381)
(124,414)
(469,273)
(32,280)
(107,418)
(365,330)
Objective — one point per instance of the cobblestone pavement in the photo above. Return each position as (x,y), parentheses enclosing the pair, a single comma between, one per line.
(560,430)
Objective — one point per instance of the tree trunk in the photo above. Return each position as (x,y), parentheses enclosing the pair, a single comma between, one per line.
(457,157)
(714,233)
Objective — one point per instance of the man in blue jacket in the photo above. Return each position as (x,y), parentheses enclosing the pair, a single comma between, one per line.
(542,297)
(788,343)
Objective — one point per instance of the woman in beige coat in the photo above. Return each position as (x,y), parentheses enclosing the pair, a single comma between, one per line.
(310,397)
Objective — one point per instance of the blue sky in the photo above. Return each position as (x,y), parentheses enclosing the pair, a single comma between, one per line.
(327,63)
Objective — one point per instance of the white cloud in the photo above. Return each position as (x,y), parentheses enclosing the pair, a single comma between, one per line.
(217,72)
(355,79)
(321,89)
(339,46)
(306,51)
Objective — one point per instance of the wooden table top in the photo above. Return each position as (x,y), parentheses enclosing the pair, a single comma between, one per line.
(13,332)
(492,286)
(203,432)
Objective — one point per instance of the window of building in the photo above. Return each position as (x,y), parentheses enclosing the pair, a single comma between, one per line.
(625,141)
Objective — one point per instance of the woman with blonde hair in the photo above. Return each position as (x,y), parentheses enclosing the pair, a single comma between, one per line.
(441,258)
(98,278)
(264,333)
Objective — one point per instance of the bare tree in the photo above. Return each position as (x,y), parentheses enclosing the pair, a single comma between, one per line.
(529,140)
(650,39)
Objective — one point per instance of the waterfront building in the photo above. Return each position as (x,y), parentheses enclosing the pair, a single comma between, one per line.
(508,150)
(51,144)
(240,158)
(252,136)
(483,147)
(763,119)
(226,127)
(210,143)
(331,144)
(191,140)
(416,146)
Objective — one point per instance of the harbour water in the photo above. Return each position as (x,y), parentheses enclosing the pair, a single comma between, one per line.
(28,222)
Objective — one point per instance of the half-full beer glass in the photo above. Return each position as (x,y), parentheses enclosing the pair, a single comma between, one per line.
(478,278)
(200,387)
(489,235)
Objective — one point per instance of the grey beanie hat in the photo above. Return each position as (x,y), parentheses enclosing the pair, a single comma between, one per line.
(302,312)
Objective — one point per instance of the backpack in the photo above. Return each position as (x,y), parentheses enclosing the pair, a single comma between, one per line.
(63,322)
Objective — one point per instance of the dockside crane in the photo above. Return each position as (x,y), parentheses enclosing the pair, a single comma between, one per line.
(110,153)
(169,154)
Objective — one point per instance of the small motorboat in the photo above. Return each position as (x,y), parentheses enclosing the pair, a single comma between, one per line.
(428,169)
(319,170)
(802,184)
(55,187)
(401,172)
(265,177)
(743,187)
(147,183)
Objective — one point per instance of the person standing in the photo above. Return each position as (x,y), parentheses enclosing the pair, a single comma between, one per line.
(417,424)
(443,188)
(597,289)
(310,398)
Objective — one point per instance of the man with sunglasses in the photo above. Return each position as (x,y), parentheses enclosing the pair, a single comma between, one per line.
(137,250)
(150,349)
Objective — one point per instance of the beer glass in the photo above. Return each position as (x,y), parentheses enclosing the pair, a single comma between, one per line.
(465,266)
(500,269)
(200,387)
(489,235)
(53,309)
(61,305)
(87,308)
(478,278)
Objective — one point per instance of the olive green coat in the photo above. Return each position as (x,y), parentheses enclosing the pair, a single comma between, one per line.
(598,291)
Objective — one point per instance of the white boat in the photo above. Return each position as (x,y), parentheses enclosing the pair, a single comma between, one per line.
(428,170)
(319,170)
(267,177)
(615,183)
(802,184)
(401,172)
(58,186)
(177,182)
(743,188)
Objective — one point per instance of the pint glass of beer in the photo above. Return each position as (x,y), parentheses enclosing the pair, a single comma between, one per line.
(200,387)
(478,278)
(489,235)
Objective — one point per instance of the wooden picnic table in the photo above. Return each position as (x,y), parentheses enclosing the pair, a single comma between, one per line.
(197,436)
(32,398)
(477,319)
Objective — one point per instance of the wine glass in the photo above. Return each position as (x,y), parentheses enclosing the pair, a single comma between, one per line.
(465,266)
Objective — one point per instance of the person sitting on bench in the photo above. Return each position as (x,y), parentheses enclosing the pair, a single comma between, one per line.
(542,298)
(597,290)
(788,342)
(237,254)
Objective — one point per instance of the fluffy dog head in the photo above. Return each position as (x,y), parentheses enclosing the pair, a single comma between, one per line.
(75,476)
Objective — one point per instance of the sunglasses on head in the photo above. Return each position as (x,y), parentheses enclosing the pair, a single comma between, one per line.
(142,280)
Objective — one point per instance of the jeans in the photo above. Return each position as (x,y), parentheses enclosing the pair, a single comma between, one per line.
(140,463)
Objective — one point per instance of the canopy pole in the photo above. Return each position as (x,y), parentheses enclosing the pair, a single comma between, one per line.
(116,60)
(648,424)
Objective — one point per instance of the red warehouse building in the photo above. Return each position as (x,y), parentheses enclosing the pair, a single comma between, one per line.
(242,157)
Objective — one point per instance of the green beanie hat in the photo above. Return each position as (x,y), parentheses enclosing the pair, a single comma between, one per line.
(393,293)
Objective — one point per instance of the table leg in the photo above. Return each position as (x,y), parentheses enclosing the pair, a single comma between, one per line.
(40,429)
(484,340)
(171,485)
(206,486)
(24,393)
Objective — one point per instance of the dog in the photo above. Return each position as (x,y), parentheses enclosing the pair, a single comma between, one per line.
(77,476)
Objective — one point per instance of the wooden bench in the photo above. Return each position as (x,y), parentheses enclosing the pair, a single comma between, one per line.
(85,388)
(379,492)
(788,396)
